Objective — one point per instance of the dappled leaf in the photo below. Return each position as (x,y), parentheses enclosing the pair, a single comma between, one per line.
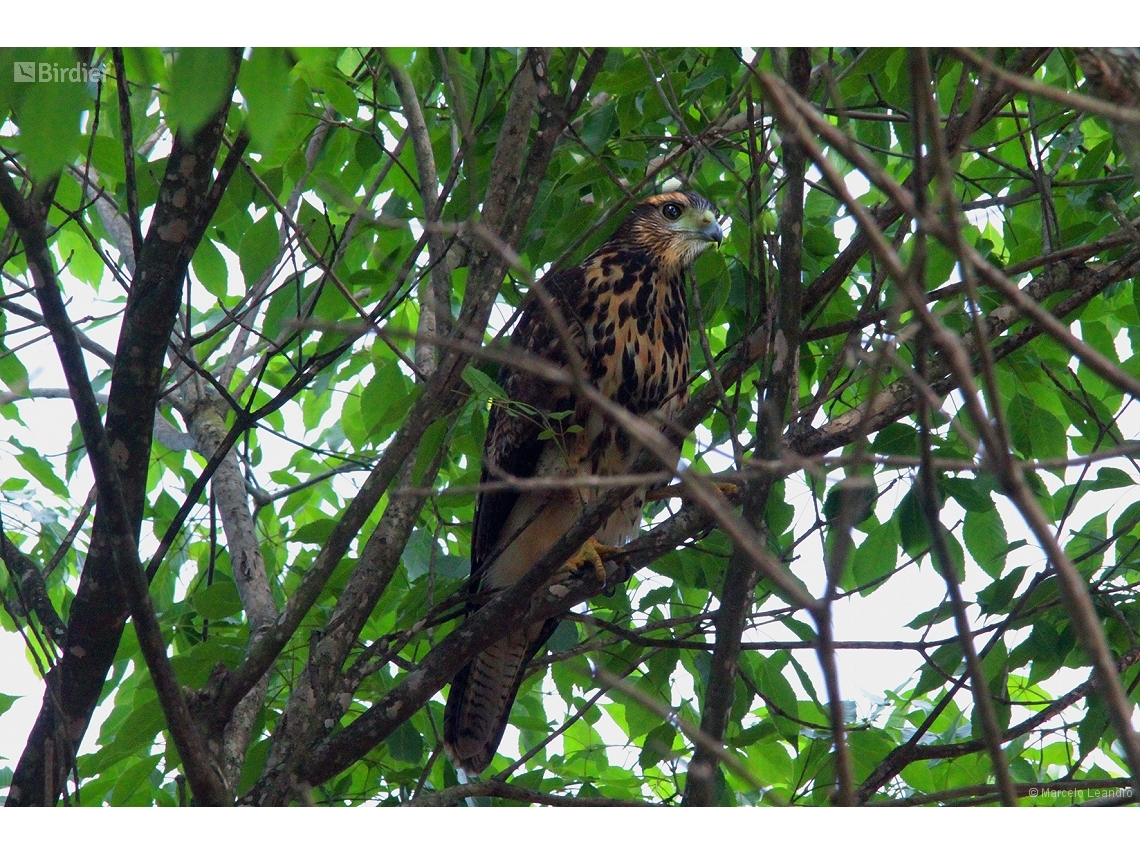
(262,80)
(49,109)
(986,539)
(199,84)
(259,248)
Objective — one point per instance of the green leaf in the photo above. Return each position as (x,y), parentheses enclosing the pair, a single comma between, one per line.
(262,80)
(199,86)
(32,463)
(948,660)
(406,744)
(985,537)
(896,438)
(1109,478)
(1044,651)
(875,556)
(316,532)
(50,110)
(6,702)
(13,374)
(217,601)
(1127,520)
(259,248)
(853,496)
(954,555)
(1035,431)
(932,617)
(417,554)
(779,514)
(386,400)
(770,761)
(973,494)
(998,594)
(254,764)
(133,734)
(774,686)
(81,260)
(565,637)
(868,749)
(210,268)
(432,439)
(658,745)
(338,93)
(1093,726)
(483,386)
(131,778)
(913,529)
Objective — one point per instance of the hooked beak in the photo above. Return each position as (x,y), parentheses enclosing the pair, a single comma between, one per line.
(710,228)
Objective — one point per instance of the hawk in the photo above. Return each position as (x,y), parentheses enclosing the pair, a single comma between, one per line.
(626,314)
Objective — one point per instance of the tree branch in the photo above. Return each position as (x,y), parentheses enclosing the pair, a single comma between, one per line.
(740,577)
(124,550)
(1075,594)
(100,607)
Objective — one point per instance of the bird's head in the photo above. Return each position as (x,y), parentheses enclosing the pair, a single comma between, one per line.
(676,227)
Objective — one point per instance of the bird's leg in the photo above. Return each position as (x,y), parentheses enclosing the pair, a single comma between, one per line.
(593,553)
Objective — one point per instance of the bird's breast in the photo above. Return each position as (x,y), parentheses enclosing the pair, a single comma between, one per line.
(637,341)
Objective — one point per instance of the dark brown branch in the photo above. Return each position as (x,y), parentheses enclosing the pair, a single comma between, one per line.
(126,127)
(100,607)
(123,546)
(740,578)
(31,589)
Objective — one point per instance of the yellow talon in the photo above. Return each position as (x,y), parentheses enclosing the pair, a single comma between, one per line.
(728,490)
(594,553)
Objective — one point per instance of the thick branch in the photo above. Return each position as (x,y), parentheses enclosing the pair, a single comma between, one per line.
(100,608)
(740,577)
(122,540)
(207,425)
(435,301)
(31,589)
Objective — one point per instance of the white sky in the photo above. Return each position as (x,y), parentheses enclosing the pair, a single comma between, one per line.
(585,22)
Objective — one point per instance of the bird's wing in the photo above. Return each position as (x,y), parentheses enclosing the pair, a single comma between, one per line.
(519,428)
(512,528)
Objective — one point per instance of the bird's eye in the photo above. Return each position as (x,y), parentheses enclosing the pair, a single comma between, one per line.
(671,210)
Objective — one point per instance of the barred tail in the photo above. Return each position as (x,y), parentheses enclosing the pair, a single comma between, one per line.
(482,694)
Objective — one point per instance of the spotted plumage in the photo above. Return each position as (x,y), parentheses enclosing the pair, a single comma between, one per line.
(625,310)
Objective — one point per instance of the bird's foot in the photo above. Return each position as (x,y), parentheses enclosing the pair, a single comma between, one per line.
(729,491)
(593,553)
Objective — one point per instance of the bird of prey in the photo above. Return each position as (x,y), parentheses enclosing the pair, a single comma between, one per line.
(625,313)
